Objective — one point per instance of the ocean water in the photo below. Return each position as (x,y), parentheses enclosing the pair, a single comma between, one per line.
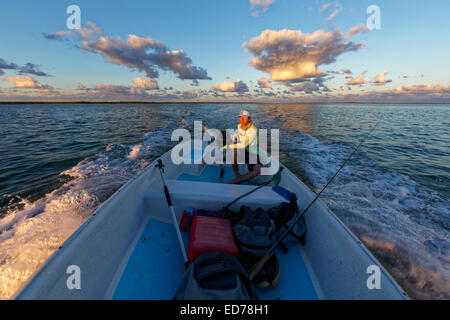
(58,163)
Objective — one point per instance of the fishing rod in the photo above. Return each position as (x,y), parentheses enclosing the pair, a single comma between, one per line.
(160,166)
(260,264)
(254,189)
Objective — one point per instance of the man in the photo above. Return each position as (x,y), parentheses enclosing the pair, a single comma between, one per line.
(246,140)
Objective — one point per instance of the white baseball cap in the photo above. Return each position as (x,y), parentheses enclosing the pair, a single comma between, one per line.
(245,113)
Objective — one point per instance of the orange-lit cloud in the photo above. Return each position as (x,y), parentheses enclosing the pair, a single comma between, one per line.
(230,86)
(27,82)
(90,31)
(355,81)
(433,89)
(259,6)
(356,29)
(145,83)
(264,82)
(379,79)
(290,55)
(333,14)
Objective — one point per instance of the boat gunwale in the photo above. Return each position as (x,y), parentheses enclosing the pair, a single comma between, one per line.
(355,239)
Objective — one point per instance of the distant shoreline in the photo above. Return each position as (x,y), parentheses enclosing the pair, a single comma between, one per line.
(205,102)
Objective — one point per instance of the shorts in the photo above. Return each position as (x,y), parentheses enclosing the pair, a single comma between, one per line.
(247,160)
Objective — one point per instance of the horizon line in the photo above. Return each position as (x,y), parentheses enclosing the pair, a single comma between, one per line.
(209,102)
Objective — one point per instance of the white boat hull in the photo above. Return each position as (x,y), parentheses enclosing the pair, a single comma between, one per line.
(333,258)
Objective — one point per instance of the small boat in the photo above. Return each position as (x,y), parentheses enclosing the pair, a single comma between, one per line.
(128,248)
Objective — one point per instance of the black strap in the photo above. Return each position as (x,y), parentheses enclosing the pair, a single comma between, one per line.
(299,238)
(253,246)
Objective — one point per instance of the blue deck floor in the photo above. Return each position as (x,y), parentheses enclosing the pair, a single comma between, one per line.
(156,268)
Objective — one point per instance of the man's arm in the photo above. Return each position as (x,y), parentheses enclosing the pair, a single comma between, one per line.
(248,139)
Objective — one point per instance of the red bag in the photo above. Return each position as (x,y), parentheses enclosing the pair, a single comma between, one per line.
(211,234)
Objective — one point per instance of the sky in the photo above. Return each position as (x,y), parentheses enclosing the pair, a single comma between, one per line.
(225,51)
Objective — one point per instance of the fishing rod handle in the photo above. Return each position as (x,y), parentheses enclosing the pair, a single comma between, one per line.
(166,192)
(254,271)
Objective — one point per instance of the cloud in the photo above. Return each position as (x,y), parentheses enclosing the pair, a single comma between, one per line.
(423,93)
(88,32)
(23,82)
(191,94)
(258,7)
(147,55)
(28,68)
(289,55)
(356,81)
(6,65)
(333,14)
(337,8)
(111,92)
(145,83)
(106,89)
(264,82)
(230,86)
(356,29)
(142,54)
(309,86)
(379,79)
(423,89)
(27,82)
(342,71)
(324,7)
(58,36)
(31,68)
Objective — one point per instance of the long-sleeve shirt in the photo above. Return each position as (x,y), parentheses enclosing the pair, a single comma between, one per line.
(247,139)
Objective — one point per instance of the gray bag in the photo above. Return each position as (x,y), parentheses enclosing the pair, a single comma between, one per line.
(254,233)
(215,276)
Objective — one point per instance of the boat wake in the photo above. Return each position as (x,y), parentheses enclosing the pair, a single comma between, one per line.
(403,223)
(29,235)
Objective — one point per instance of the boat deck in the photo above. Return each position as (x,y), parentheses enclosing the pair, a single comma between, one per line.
(156,266)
